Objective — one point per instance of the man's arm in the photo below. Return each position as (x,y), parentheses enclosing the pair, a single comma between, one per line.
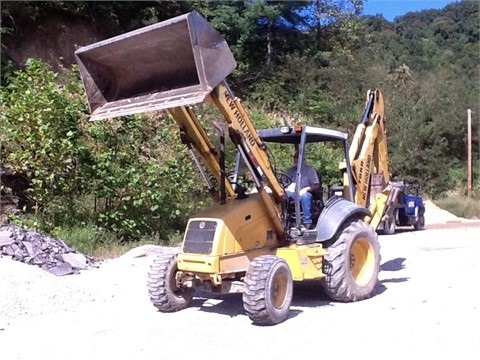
(313,179)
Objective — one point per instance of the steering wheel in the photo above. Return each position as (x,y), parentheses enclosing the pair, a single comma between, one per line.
(283,178)
(242,181)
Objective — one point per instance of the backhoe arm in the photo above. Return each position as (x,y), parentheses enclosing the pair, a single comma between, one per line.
(369,157)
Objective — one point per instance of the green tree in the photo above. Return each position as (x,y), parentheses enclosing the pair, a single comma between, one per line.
(39,133)
(141,176)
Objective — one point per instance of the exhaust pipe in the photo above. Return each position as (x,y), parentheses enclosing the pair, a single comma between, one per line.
(172,63)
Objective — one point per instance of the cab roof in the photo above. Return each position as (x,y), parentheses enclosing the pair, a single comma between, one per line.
(289,135)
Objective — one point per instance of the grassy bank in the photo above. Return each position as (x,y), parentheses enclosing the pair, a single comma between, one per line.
(462,206)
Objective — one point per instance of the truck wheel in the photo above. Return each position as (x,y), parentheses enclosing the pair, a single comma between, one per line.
(352,263)
(420,224)
(268,290)
(389,225)
(162,289)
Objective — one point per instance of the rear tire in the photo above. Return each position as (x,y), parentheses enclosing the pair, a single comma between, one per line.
(162,289)
(389,225)
(420,224)
(352,263)
(268,290)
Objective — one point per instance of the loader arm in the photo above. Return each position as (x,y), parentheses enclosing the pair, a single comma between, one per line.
(171,66)
(253,150)
(245,137)
(193,135)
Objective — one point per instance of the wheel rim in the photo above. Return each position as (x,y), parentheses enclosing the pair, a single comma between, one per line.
(362,261)
(173,284)
(279,290)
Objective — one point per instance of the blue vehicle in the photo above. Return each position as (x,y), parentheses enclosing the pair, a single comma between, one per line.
(410,209)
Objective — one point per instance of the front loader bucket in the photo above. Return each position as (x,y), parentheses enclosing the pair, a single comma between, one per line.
(172,63)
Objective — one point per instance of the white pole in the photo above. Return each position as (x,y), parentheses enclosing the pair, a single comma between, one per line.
(469,152)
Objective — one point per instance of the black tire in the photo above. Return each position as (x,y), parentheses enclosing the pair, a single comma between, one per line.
(352,263)
(162,289)
(268,290)
(420,224)
(389,225)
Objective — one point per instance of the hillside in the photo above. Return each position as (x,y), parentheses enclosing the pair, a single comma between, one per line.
(74,172)
(57,34)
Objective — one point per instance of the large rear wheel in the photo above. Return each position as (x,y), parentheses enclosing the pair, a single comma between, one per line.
(268,290)
(352,262)
(164,293)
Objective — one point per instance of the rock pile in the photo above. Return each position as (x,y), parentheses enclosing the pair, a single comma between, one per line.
(52,255)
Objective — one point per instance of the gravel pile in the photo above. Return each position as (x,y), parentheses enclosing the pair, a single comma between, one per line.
(50,254)
(27,290)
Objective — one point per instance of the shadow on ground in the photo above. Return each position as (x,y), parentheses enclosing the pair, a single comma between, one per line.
(305,294)
(393,265)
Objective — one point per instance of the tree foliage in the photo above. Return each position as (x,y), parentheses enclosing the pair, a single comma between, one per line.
(39,130)
(140,176)
(298,61)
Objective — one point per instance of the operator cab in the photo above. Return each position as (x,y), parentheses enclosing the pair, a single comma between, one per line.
(312,144)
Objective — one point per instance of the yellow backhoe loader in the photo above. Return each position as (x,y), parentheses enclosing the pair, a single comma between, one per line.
(249,242)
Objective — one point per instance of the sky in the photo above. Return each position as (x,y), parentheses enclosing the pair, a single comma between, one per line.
(393,8)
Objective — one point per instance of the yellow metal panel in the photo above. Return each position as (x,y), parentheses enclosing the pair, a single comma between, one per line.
(305,261)
(242,225)
(198,263)
(219,264)
(239,262)
(234,263)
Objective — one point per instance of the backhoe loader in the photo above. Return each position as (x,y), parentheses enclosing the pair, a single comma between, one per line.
(248,242)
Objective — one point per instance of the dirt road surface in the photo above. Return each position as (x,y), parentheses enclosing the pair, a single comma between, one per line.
(426,306)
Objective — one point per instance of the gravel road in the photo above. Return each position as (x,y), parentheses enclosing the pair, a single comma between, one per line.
(426,306)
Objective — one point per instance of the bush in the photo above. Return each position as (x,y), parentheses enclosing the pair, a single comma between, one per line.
(39,134)
(461,206)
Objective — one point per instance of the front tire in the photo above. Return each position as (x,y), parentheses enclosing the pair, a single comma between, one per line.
(162,289)
(352,263)
(268,290)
